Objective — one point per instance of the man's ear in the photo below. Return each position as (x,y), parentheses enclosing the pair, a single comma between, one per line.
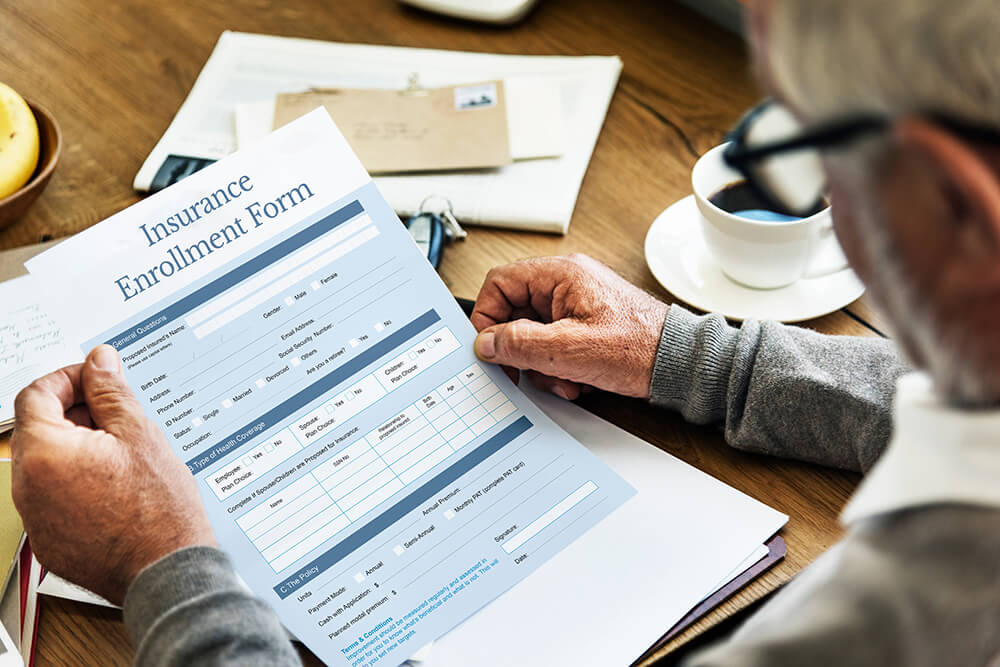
(972,183)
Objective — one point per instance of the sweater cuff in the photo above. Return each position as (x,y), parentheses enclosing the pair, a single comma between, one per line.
(693,365)
(173,580)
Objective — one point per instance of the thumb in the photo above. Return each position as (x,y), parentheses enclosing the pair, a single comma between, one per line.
(528,345)
(112,405)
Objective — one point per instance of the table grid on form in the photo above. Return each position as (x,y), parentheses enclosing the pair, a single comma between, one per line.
(348,402)
(372,469)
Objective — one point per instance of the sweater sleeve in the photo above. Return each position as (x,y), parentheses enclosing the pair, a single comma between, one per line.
(779,390)
(918,587)
(189,608)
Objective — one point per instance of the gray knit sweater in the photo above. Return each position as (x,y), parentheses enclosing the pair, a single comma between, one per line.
(913,588)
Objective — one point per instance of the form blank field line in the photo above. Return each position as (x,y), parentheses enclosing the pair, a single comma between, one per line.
(238,308)
(479,516)
(569,525)
(547,519)
(284,322)
(359,293)
(427,490)
(384,294)
(336,376)
(277,270)
(272,347)
(489,470)
(319,583)
(492,523)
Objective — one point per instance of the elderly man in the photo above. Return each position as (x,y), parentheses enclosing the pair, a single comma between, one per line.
(916,579)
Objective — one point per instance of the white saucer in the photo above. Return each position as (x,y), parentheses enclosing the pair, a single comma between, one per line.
(679,260)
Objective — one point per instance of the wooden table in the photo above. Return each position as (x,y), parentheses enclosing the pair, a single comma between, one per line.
(114,73)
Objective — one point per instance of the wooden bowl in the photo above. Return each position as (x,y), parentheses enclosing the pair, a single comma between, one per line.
(14,205)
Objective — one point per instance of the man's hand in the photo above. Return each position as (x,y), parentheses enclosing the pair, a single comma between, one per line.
(101,493)
(572,323)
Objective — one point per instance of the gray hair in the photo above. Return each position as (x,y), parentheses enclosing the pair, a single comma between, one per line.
(893,56)
(834,57)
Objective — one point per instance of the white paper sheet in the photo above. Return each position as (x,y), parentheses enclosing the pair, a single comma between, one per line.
(532,194)
(534,117)
(58,587)
(750,560)
(29,632)
(611,594)
(31,342)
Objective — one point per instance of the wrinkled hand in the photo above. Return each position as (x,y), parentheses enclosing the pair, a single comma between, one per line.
(571,322)
(101,493)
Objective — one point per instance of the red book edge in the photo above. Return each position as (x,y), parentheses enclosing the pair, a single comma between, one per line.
(29,588)
(24,573)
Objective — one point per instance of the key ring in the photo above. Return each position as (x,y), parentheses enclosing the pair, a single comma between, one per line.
(447,215)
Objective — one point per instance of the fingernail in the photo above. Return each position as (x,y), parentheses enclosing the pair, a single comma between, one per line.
(560,391)
(106,358)
(486,345)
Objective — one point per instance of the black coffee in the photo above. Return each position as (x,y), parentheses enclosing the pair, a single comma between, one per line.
(740,198)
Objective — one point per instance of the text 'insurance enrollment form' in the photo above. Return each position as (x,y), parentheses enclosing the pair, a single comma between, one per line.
(370,478)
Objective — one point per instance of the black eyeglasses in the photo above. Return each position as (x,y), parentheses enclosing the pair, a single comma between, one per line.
(780,159)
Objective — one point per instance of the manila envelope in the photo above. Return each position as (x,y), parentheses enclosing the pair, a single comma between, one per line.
(457,127)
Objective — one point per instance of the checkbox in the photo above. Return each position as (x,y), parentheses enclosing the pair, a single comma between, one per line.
(260,383)
(355,342)
(289,300)
(359,577)
(413,355)
(330,408)
(269,447)
(398,549)
(448,514)
(196,422)
(227,403)
(349,396)
(431,344)
(379,326)
(314,284)
(296,361)
(247,460)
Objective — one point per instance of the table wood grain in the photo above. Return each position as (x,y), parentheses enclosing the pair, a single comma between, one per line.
(114,73)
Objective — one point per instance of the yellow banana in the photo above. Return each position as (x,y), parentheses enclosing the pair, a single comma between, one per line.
(18,141)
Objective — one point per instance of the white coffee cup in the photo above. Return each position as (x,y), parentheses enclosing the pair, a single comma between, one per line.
(758,253)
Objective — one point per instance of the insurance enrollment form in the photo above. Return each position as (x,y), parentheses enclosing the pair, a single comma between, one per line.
(371,480)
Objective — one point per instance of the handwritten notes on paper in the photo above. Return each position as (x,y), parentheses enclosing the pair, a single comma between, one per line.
(31,342)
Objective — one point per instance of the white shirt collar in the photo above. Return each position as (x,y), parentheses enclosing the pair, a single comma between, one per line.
(938,454)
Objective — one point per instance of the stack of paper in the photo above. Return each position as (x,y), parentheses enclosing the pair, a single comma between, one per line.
(528,194)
